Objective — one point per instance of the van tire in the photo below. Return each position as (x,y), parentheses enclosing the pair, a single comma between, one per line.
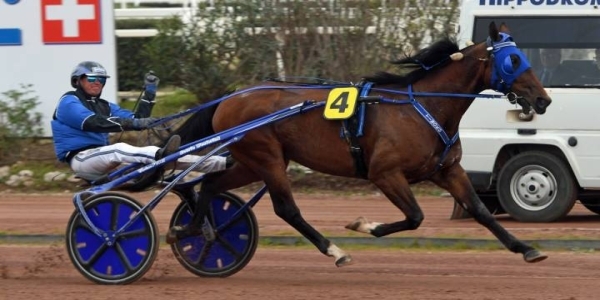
(536,186)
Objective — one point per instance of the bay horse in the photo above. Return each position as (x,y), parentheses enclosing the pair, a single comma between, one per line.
(400,144)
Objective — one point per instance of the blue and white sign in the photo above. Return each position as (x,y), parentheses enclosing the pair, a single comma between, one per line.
(41,41)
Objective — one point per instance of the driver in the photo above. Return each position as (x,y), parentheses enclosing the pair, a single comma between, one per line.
(82,121)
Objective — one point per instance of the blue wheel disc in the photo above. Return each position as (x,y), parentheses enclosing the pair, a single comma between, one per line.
(235,243)
(133,251)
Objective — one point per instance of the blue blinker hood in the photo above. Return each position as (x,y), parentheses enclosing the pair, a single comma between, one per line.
(503,74)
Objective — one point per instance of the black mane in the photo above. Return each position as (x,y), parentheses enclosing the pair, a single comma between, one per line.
(416,67)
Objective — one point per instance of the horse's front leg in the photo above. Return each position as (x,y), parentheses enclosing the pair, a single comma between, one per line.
(454,179)
(397,189)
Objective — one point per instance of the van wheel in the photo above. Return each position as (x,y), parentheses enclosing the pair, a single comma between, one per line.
(536,186)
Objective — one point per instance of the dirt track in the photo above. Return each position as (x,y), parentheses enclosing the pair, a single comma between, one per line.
(45,272)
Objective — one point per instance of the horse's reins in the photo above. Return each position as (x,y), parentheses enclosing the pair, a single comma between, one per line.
(265,87)
(502,78)
(448,142)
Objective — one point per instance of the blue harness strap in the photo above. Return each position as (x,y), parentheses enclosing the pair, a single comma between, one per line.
(359,117)
(448,142)
(361,109)
(353,128)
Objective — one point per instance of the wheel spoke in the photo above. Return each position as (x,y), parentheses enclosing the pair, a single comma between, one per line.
(134,233)
(225,243)
(232,222)
(123,257)
(203,253)
(114,215)
(97,254)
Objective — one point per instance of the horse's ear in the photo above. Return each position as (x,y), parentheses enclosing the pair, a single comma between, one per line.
(494,34)
(504,28)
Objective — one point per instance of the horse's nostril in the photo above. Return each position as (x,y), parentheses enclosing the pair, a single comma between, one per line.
(542,102)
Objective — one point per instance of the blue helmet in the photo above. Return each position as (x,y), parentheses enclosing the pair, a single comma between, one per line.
(87,68)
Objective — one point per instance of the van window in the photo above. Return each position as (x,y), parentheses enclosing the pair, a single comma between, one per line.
(562,50)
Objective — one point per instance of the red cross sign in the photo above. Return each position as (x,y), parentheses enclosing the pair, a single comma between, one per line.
(71,22)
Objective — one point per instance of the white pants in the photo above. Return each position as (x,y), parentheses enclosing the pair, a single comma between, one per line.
(94,163)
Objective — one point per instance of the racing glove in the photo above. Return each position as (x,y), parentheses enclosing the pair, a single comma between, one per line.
(150,85)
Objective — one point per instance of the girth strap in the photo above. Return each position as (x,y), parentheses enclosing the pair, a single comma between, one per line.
(352,129)
(349,133)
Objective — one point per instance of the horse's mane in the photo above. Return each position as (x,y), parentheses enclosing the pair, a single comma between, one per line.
(413,68)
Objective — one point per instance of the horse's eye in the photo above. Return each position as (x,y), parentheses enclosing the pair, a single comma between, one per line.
(515,60)
(510,64)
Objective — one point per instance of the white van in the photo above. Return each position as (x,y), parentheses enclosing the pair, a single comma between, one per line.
(536,167)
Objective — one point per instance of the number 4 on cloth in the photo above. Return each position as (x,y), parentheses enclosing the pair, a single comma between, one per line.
(341,103)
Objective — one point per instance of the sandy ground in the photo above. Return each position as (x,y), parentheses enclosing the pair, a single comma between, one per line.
(48,214)
(45,272)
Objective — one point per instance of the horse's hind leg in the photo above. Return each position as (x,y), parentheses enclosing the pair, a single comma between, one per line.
(454,179)
(285,207)
(397,190)
(273,173)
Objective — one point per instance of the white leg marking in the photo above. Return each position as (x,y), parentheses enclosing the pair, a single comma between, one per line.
(362,225)
(336,252)
(341,258)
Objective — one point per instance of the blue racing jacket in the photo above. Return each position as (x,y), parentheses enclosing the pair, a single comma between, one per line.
(81,122)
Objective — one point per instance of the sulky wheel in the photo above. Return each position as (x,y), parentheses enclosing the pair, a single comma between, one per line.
(233,246)
(128,256)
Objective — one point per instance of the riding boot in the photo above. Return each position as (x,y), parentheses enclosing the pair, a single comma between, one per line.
(170,147)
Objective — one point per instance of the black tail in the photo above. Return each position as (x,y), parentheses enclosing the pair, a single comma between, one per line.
(197,126)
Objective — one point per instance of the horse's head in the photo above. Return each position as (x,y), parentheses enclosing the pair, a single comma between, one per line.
(511,73)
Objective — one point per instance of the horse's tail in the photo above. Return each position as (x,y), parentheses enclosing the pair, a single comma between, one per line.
(197,126)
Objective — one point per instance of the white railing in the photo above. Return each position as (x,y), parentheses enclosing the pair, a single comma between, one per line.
(185,9)
(129,9)
(124,4)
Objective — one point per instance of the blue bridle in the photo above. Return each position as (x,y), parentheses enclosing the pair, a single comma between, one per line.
(503,74)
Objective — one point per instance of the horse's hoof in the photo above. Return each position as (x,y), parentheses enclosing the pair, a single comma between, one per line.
(345,260)
(533,256)
(178,233)
(356,224)
(171,236)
